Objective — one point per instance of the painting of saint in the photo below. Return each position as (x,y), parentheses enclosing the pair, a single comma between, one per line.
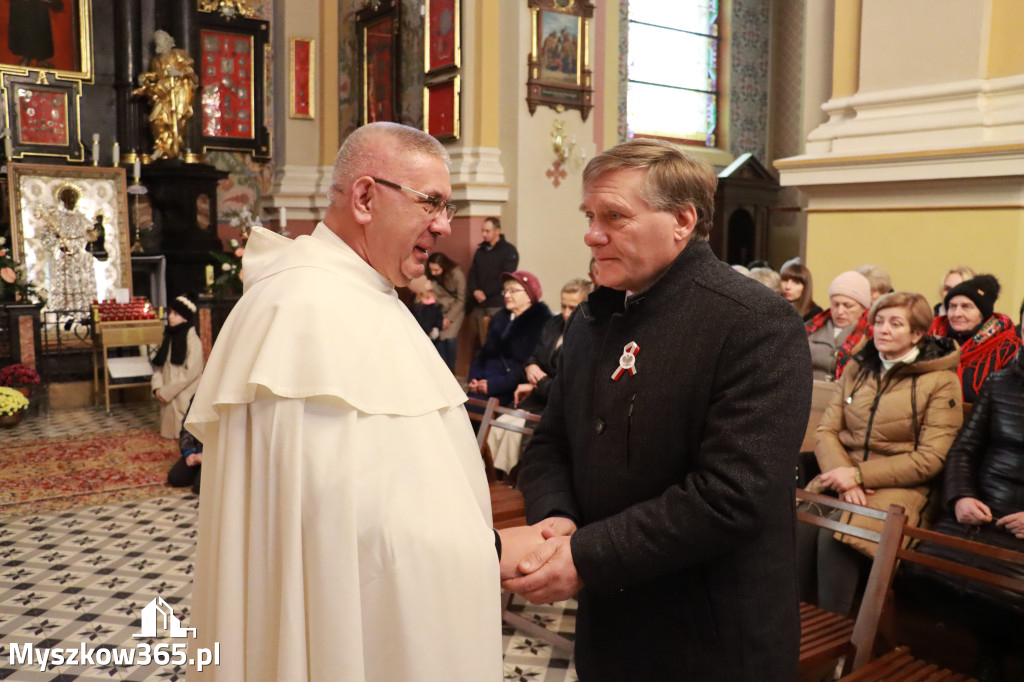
(559,48)
(44,34)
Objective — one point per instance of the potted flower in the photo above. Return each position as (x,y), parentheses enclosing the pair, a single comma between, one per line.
(20,377)
(14,284)
(12,406)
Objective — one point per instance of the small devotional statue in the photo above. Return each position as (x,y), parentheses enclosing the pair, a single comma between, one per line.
(170,86)
(64,231)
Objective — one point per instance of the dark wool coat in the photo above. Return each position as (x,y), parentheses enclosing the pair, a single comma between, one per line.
(986,462)
(680,477)
(485,271)
(502,359)
(545,356)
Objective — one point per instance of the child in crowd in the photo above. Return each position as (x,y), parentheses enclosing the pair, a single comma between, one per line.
(177,366)
(426,309)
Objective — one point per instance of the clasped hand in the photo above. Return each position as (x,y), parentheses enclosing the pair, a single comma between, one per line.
(536,561)
(843,480)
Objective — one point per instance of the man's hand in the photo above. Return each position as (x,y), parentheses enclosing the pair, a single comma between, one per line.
(553,526)
(479,295)
(1013,523)
(534,373)
(515,544)
(194,459)
(972,511)
(445,323)
(552,574)
(522,391)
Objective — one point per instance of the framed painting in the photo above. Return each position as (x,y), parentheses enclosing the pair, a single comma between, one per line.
(47,35)
(232,74)
(42,115)
(70,228)
(377,28)
(441,39)
(559,74)
(441,109)
(302,74)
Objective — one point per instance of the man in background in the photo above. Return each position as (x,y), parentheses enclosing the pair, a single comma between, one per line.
(494,256)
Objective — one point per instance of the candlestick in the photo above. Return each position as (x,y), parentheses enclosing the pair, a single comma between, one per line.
(8,146)
(95,149)
(284,216)
(209,275)
(117,155)
(136,170)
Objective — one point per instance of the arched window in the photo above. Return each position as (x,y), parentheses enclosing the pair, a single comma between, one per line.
(672,70)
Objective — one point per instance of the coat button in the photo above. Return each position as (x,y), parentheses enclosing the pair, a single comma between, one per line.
(599,426)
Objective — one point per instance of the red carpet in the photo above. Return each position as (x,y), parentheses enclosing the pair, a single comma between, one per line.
(84,471)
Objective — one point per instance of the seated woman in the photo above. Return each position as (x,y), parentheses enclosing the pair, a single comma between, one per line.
(798,289)
(987,339)
(984,502)
(837,333)
(177,366)
(541,368)
(953,276)
(511,338)
(881,441)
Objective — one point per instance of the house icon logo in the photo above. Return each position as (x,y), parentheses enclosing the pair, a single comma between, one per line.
(158,608)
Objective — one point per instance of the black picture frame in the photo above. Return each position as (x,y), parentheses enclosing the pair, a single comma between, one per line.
(22,117)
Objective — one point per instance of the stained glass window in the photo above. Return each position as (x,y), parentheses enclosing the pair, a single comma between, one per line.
(673,70)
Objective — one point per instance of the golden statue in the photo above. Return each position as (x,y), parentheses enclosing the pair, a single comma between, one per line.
(228,8)
(170,87)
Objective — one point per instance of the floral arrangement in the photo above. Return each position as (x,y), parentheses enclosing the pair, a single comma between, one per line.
(230,278)
(18,376)
(14,284)
(11,402)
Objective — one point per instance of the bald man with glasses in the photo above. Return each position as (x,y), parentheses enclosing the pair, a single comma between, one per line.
(345,516)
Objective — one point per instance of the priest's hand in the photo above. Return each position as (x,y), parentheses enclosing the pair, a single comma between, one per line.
(552,573)
(515,544)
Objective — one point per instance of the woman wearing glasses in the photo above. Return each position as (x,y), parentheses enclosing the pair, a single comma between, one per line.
(511,338)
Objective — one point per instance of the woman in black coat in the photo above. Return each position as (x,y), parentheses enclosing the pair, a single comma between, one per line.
(511,337)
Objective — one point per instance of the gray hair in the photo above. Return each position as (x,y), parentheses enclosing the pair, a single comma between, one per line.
(357,156)
(578,285)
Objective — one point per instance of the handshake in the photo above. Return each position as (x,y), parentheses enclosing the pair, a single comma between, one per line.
(536,561)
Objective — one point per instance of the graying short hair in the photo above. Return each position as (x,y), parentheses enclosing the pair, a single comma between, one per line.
(578,285)
(878,277)
(674,178)
(356,156)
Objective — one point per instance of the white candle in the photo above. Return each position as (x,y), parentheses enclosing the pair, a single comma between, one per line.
(284,216)
(95,148)
(8,147)
(136,170)
(117,154)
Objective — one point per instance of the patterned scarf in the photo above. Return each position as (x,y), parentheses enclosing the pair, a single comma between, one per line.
(860,335)
(989,350)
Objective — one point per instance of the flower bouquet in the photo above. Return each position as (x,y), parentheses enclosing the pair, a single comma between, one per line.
(14,284)
(20,377)
(12,406)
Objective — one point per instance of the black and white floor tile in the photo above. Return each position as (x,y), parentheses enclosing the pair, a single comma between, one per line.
(82,578)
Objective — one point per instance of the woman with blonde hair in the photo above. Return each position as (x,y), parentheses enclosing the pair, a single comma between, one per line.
(953,276)
(882,439)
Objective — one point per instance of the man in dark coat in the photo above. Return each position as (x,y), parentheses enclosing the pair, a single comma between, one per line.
(663,466)
(493,256)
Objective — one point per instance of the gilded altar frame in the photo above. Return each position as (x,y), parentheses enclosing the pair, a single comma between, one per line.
(558,67)
(70,39)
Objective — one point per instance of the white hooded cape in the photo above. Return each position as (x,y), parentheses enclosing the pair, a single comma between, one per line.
(344,522)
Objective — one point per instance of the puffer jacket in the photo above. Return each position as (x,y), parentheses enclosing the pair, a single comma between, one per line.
(987,463)
(896,427)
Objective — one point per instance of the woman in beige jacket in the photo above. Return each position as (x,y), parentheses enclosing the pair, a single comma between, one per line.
(882,440)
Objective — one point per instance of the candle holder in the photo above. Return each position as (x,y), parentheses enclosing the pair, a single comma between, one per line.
(137,190)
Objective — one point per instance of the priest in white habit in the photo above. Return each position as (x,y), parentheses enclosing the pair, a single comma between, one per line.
(344,523)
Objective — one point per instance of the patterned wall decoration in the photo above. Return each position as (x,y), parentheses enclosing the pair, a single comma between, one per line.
(748,109)
(787,80)
(622,126)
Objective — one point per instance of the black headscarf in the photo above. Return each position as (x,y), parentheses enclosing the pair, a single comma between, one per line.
(175,341)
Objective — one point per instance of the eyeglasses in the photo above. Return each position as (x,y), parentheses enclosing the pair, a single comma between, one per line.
(436,203)
(514,290)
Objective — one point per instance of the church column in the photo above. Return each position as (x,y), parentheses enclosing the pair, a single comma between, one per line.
(127,65)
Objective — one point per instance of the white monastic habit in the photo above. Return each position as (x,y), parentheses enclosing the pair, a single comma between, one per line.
(344,523)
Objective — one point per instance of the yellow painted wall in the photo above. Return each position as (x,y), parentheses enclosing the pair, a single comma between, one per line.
(917,247)
(1006,44)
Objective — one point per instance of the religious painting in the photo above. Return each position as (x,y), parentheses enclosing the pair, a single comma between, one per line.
(47,35)
(559,73)
(302,70)
(42,115)
(441,35)
(377,27)
(441,109)
(70,229)
(232,80)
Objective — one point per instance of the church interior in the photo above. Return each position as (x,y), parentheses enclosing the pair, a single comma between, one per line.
(162,132)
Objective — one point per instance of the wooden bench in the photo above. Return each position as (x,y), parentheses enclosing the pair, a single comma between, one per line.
(900,664)
(825,637)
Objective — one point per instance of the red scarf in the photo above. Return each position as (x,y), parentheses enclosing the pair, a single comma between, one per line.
(854,342)
(991,349)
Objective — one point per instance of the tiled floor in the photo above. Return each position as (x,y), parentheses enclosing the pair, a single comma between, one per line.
(83,577)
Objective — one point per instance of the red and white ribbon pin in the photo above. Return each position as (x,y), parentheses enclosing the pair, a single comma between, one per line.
(627,362)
